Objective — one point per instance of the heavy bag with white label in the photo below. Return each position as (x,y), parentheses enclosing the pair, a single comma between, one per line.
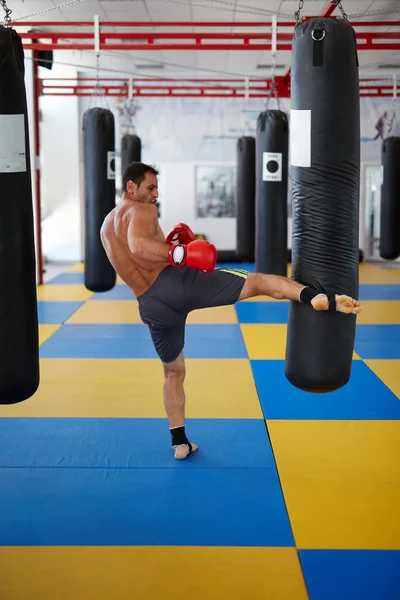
(389,246)
(131,150)
(19,347)
(272,144)
(245,197)
(325,174)
(99,170)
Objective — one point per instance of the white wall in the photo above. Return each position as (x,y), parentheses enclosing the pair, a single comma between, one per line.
(60,172)
(177,195)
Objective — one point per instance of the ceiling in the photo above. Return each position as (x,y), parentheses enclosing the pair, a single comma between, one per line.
(199,63)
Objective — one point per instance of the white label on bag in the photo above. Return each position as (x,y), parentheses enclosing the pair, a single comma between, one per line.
(12,144)
(110,165)
(300,138)
(272,166)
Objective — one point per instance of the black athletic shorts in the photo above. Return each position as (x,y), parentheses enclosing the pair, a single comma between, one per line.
(165,305)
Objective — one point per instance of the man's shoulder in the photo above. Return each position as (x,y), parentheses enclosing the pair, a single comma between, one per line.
(143,211)
(144,207)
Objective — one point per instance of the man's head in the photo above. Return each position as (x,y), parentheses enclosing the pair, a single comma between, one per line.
(140,182)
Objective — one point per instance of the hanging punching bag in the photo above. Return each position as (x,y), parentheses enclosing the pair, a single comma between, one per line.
(131,150)
(19,347)
(271,192)
(325,161)
(389,247)
(245,197)
(99,169)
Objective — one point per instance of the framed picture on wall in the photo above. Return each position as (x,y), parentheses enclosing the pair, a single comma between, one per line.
(215,192)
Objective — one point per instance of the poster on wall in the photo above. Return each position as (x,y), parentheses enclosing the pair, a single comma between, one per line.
(215,192)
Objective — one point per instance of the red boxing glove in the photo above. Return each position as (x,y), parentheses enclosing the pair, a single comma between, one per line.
(180,234)
(199,254)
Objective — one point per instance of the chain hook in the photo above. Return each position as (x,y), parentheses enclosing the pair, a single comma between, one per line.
(340,7)
(7,18)
(273,89)
(394,102)
(297,13)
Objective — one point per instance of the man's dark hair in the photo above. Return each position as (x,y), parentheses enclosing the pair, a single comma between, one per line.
(136,172)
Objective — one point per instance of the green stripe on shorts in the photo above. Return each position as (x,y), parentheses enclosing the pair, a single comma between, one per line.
(239,272)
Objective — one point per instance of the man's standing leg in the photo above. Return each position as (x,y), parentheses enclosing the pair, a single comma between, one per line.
(174,402)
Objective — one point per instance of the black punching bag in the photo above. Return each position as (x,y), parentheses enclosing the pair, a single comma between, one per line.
(389,247)
(99,168)
(245,197)
(271,192)
(19,344)
(131,150)
(325,171)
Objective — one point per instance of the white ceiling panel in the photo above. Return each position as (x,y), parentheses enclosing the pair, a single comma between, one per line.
(172,59)
(167,11)
(119,5)
(73,13)
(212,60)
(271,5)
(205,14)
(311,7)
(138,12)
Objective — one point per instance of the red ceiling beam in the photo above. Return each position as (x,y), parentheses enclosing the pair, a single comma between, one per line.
(151,88)
(150,24)
(196,88)
(198,41)
(186,24)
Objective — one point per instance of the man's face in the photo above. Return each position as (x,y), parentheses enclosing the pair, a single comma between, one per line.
(147,192)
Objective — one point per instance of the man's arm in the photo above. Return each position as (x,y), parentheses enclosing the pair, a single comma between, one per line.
(141,231)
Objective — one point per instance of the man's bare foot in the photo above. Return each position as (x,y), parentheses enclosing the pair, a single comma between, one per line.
(183,450)
(344,304)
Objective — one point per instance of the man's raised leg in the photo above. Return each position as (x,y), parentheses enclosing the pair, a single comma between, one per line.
(283,288)
(174,401)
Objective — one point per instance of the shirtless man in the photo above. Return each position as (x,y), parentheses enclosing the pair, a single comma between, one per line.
(173,275)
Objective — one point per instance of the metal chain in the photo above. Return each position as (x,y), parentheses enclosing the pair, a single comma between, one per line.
(393,119)
(297,13)
(340,7)
(98,90)
(373,13)
(46,10)
(99,93)
(7,18)
(273,89)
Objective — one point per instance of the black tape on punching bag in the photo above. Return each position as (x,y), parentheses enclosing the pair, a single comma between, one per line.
(271,192)
(131,150)
(19,345)
(389,247)
(99,167)
(245,197)
(325,167)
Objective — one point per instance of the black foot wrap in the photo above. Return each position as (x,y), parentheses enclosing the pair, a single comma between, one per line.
(308,293)
(179,437)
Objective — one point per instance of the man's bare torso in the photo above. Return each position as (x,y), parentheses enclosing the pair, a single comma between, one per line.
(136,272)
